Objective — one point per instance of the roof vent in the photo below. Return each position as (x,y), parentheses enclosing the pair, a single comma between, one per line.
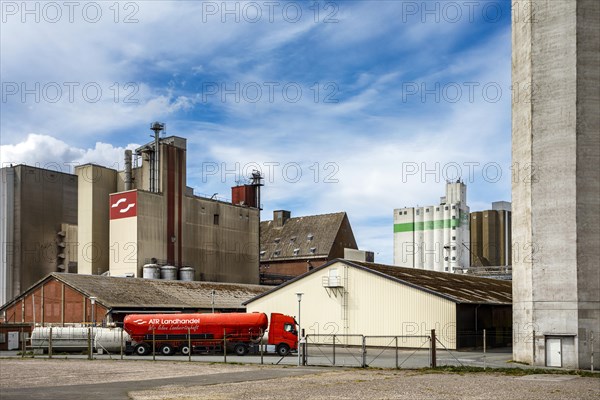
(296,252)
(277,240)
(310,236)
(276,253)
(262,253)
(313,250)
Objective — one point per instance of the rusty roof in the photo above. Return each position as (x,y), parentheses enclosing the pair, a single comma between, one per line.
(117,292)
(459,288)
(300,237)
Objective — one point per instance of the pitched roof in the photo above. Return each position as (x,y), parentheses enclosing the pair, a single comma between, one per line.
(459,288)
(312,236)
(116,292)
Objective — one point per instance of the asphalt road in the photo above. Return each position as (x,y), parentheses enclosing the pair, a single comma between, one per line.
(120,390)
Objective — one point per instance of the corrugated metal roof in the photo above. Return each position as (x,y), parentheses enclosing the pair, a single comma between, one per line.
(459,288)
(114,292)
(300,237)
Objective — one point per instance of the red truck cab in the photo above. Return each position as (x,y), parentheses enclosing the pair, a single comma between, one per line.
(283,333)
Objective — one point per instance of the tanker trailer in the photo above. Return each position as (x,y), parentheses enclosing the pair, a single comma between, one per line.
(74,338)
(169,332)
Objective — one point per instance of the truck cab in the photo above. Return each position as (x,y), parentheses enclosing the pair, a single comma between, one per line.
(283,333)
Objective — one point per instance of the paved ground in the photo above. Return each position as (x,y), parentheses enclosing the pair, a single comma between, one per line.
(147,380)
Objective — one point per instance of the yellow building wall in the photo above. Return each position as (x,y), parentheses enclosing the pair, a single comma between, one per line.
(367,305)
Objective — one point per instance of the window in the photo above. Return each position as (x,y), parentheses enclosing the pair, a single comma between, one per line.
(453,258)
(427,210)
(453,247)
(445,268)
(417,212)
(453,228)
(288,328)
(216,219)
(454,207)
(445,258)
(446,208)
(453,237)
(437,209)
(454,217)
(405,212)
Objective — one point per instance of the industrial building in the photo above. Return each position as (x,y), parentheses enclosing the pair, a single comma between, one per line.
(152,217)
(555,185)
(351,297)
(434,238)
(74,299)
(292,246)
(490,232)
(37,208)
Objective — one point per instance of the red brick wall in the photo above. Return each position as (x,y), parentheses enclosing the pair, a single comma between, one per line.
(293,268)
(53,302)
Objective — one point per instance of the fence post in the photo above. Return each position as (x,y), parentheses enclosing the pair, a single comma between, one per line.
(484,348)
(364,352)
(333,349)
(153,345)
(89,337)
(261,351)
(121,343)
(396,352)
(224,346)
(433,361)
(189,345)
(50,344)
(22,338)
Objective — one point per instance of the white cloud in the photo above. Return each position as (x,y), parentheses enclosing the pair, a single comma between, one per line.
(48,152)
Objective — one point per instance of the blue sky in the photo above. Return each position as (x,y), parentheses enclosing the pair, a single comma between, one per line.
(356,106)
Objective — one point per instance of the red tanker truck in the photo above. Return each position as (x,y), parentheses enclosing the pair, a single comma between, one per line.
(170,332)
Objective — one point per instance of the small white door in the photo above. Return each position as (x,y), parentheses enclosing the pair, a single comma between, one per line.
(553,352)
(13,340)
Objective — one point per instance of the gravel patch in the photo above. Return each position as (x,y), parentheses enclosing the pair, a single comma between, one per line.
(409,385)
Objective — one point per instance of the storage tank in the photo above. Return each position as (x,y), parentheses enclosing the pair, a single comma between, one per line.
(76,338)
(151,271)
(186,274)
(168,272)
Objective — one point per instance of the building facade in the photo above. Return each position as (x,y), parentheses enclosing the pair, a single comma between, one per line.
(37,209)
(555,185)
(434,237)
(292,246)
(490,232)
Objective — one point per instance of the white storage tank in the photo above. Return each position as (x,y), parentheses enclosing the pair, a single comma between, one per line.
(186,274)
(151,271)
(168,272)
(76,338)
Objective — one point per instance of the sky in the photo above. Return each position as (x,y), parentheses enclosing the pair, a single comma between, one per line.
(355,106)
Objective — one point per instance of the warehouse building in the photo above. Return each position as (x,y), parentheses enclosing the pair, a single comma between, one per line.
(292,246)
(37,208)
(434,237)
(73,299)
(349,297)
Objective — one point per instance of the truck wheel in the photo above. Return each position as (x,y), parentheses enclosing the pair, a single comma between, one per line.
(184,349)
(240,349)
(167,350)
(283,349)
(142,349)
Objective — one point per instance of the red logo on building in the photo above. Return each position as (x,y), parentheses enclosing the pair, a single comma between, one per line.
(123,205)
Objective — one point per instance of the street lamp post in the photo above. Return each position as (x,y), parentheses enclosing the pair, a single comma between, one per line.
(93,304)
(299,295)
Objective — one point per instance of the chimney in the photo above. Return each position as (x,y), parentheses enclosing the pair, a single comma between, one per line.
(280,217)
(128,180)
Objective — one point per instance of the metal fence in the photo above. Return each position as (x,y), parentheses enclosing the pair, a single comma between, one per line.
(368,351)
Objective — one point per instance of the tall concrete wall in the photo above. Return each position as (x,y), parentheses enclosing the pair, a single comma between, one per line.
(35,203)
(555,189)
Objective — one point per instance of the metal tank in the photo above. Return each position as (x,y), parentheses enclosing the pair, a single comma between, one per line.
(151,271)
(186,274)
(168,272)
